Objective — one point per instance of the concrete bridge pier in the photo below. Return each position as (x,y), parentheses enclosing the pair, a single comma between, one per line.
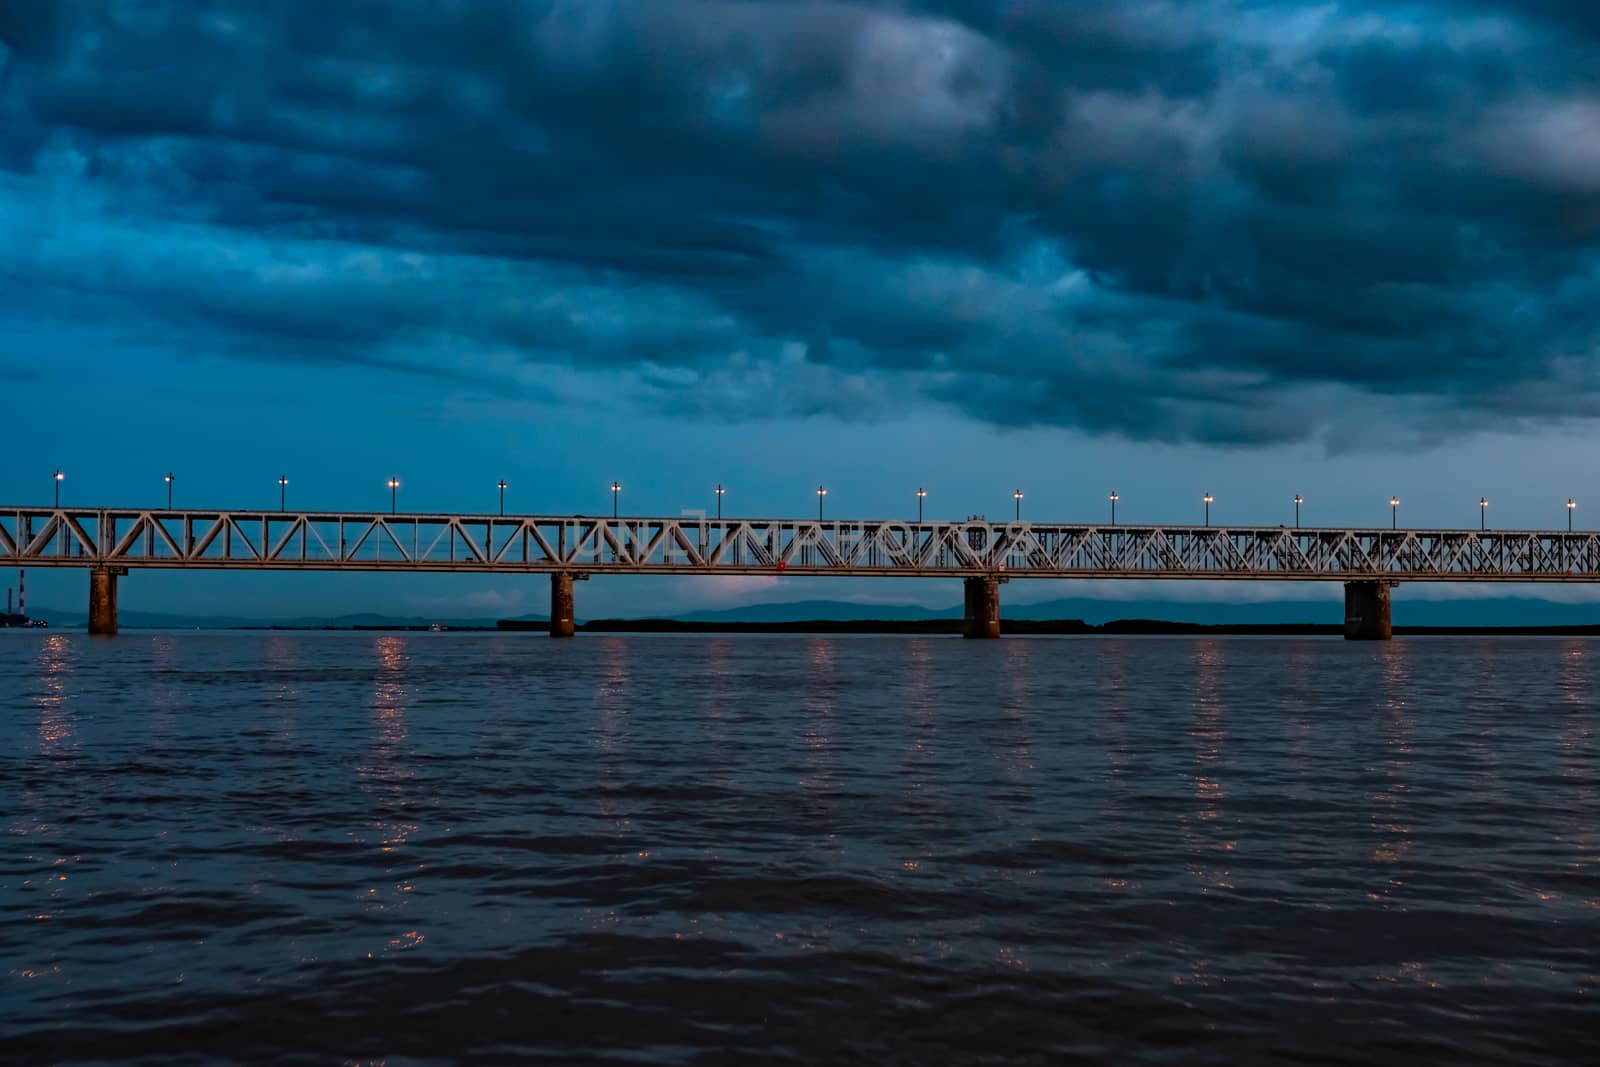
(562,622)
(103,599)
(981,620)
(1366,611)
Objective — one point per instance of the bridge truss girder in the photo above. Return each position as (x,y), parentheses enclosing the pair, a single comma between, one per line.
(365,541)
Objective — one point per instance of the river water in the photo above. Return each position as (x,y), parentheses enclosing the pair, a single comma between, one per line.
(431,848)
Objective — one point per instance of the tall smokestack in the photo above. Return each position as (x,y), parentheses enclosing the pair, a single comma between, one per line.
(22,592)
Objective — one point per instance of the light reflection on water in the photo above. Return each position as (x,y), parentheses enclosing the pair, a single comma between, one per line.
(610,731)
(281,658)
(434,847)
(1487,723)
(1390,833)
(1018,708)
(918,763)
(1206,831)
(388,776)
(1208,731)
(1575,760)
(816,714)
(54,713)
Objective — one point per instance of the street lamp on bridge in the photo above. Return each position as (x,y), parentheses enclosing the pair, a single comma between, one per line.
(1483,513)
(616,487)
(1017,496)
(1208,498)
(720,491)
(921,493)
(169,481)
(1394,513)
(394,493)
(821,492)
(59,479)
(1298,500)
(501,485)
(1570,506)
(1114,499)
(283,492)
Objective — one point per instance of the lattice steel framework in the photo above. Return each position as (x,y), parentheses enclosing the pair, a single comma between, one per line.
(272,540)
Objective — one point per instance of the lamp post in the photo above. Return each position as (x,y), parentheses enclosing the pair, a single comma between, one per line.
(1394,513)
(169,480)
(501,485)
(921,493)
(283,492)
(616,487)
(1017,496)
(1570,506)
(394,494)
(59,479)
(1114,499)
(720,491)
(1208,498)
(821,492)
(1483,513)
(1298,500)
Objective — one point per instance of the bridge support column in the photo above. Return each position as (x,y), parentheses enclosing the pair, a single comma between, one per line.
(103,599)
(1366,611)
(982,617)
(562,623)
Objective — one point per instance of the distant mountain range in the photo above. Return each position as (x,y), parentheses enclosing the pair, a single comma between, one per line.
(1494,611)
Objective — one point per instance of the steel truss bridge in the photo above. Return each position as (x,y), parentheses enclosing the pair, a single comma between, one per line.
(111,541)
(565,544)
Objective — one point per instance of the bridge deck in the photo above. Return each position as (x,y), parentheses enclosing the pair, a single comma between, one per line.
(367,541)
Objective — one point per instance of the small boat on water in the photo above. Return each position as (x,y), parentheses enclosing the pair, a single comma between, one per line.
(438,628)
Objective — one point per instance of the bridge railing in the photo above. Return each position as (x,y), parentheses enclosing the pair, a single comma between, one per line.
(322,540)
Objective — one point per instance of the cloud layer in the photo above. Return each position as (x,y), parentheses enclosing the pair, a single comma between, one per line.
(1230,221)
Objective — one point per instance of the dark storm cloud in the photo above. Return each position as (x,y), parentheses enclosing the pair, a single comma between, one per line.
(1579,15)
(1221,220)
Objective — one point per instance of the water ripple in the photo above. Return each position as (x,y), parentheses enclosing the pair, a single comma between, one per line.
(439,848)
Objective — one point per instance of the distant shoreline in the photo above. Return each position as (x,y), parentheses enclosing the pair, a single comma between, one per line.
(950,627)
(1057,627)
(903,627)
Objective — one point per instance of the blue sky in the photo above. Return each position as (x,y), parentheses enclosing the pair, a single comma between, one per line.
(1256,248)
